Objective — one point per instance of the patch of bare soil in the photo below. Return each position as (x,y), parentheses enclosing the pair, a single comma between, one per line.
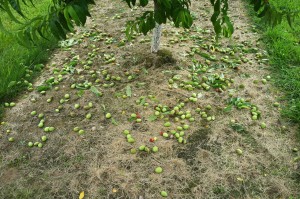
(224,153)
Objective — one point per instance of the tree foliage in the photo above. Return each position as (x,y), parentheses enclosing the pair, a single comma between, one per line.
(63,15)
(173,10)
(58,21)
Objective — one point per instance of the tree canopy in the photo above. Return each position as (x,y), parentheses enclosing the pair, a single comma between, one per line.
(63,15)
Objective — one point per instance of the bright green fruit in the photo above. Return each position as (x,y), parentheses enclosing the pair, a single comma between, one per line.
(126,132)
(133,115)
(11,139)
(80,132)
(180,139)
(155,149)
(30,144)
(133,151)
(276,104)
(130,140)
(164,194)
(40,145)
(239,151)
(108,115)
(263,125)
(142,148)
(158,170)
(165,135)
(12,104)
(138,120)
(67,96)
(167,124)
(76,106)
(179,128)
(186,126)
(51,129)
(88,116)
(33,113)
(192,119)
(44,138)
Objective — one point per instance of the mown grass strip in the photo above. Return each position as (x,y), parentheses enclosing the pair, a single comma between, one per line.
(283,45)
(14,58)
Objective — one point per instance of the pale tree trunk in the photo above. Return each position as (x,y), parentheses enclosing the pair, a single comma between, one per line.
(156,34)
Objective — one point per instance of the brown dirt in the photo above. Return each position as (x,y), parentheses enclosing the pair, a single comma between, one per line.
(99,162)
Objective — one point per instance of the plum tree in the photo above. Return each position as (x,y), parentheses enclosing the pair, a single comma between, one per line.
(63,15)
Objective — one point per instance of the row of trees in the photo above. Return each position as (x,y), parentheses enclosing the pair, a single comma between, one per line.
(63,15)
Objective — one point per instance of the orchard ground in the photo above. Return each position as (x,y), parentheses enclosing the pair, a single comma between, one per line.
(228,152)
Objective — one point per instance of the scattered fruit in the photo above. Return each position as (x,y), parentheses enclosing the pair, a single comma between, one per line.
(167,124)
(239,151)
(142,148)
(158,170)
(108,115)
(263,125)
(44,138)
(155,149)
(133,151)
(164,194)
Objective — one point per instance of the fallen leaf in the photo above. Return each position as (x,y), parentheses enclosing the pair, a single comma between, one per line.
(81,195)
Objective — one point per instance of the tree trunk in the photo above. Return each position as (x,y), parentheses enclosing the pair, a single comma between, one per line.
(156,33)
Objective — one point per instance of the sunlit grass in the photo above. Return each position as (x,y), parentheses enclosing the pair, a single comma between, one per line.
(14,57)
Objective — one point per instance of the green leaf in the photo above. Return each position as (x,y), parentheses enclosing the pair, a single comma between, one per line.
(96,91)
(5,6)
(143,101)
(228,108)
(12,84)
(257,5)
(80,13)
(128,91)
(16,6)
(73,15)
(152,118)
(68,20)
(144,2)
(114,122)
(263,13)
(44,87)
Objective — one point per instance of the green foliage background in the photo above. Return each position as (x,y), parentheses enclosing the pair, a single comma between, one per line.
(12,54)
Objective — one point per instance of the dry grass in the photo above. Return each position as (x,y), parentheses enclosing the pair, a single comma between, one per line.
(99,162)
